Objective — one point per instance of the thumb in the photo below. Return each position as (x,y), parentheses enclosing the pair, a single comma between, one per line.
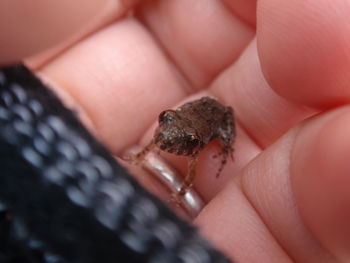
(321,180)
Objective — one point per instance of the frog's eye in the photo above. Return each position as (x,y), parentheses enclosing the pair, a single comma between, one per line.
(167,116)
(192,141)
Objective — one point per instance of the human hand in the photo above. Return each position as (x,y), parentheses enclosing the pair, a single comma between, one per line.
(285,198)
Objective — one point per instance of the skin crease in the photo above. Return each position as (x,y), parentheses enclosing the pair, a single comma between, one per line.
(285,198)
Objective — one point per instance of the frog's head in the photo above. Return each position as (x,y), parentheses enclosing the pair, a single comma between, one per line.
(175,134)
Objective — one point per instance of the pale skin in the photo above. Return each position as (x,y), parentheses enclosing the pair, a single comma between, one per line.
(286,196)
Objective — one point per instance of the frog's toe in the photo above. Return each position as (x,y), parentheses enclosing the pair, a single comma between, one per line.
(132,159)
(177,199)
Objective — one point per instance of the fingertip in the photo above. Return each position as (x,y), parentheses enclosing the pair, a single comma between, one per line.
(304,50)
(320,180)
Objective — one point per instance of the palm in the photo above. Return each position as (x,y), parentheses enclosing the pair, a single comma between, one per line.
(124,75)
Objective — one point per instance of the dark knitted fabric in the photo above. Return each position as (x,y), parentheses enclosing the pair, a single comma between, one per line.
(63,198)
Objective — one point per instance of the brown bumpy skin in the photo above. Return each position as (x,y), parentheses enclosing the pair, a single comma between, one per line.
(189,128)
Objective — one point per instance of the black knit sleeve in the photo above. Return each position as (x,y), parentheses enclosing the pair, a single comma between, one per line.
(63,198)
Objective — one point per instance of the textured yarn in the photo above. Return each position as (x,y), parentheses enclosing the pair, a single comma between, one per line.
(63,197)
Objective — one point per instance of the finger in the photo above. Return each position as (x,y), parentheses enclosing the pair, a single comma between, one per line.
(276,221)
(28,27)
(202,37)
(120,79)
(232,224)
(245,10)
(304,48)
(320,179)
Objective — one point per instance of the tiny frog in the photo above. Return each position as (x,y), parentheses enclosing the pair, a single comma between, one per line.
(188,129)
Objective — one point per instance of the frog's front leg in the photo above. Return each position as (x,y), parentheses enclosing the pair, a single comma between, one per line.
(226,134)
(138,158)
(188,181)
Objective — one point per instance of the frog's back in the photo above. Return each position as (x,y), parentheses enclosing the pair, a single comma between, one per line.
(205,114)
(206,108)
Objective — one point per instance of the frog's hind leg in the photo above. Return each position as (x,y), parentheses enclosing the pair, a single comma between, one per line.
(224,156)
(227,134)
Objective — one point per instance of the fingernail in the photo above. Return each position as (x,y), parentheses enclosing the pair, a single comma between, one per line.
(320,165)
